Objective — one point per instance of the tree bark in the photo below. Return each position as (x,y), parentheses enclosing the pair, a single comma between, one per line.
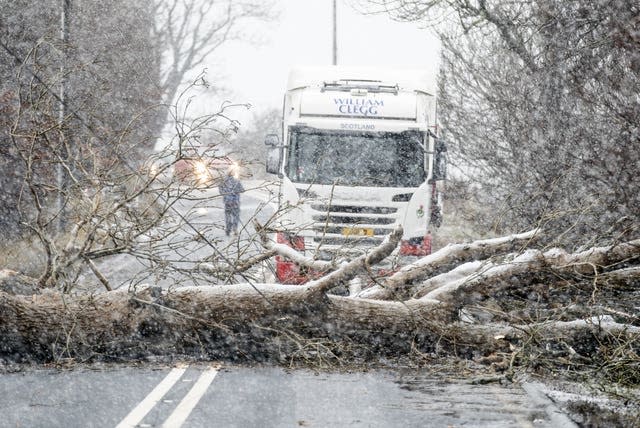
(494,276)
(275,321)
(445,259)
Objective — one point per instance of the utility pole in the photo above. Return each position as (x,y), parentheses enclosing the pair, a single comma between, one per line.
(65,19)
(64,39)
(335,33)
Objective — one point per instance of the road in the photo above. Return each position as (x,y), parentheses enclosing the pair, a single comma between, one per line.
(183,250)
(213,395)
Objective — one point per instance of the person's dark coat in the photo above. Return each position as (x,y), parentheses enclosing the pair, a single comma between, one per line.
(230,189)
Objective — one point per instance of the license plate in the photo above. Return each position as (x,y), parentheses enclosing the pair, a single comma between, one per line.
(357,231)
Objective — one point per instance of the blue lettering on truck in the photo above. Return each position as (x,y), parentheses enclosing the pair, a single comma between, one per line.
(359,107)
(358,126)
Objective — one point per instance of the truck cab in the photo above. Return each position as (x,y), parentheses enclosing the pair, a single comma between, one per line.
(358,155)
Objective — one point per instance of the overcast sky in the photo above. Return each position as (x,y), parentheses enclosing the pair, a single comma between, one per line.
(302,36)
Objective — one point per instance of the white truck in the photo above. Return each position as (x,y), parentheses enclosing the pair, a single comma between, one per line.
(358,155)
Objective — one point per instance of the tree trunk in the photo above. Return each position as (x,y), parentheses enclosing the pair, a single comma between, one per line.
(286,322)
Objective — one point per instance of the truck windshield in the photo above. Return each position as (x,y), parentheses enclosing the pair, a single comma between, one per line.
(376,159)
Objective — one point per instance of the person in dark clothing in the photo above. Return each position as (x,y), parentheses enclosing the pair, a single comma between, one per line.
(230,189)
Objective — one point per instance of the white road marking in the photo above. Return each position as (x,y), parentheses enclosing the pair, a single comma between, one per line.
(189,402)
(140,411)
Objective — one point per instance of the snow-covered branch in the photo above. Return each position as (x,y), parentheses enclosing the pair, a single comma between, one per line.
(446,258)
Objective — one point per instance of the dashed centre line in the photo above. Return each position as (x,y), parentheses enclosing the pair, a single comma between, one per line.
(184,408)
(140,411)
(189,402)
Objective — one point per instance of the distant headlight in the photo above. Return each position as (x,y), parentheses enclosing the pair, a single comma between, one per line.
(200,171)
(235,169)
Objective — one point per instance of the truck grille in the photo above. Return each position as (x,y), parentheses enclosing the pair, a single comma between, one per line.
(353,220)
(349,229)
(354,209)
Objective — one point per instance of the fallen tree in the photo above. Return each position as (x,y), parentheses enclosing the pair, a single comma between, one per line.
(530,308)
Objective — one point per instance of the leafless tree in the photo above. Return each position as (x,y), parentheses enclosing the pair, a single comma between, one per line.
(81,185)
(188,33)
(103,64)
(536,100)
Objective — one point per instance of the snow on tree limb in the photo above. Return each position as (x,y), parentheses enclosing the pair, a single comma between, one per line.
(346,270)
(293,255)
(445,258)
(290,253)
(460,273)
(553,327)
(597,258)
(349,270)
(520,264)
(234,318)
(381,314)
(591,261)
(602,322)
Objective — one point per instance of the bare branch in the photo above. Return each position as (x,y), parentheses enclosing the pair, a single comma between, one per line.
(349,270)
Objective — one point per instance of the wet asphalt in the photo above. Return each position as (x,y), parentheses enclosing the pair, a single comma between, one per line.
(104,396)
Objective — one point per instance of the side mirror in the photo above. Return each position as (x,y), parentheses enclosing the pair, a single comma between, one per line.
(272,140)
(273,159)
(440,161)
